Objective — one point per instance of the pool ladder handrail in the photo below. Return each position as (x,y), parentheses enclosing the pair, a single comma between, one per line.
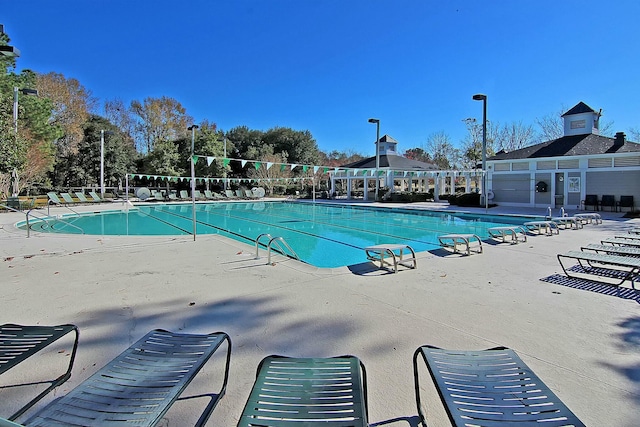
(45,218)
(273,240)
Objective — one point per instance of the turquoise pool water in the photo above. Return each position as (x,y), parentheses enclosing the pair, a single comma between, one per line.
(323,235)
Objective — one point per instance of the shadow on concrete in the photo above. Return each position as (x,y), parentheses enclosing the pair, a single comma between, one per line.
(413,421)
(593,286)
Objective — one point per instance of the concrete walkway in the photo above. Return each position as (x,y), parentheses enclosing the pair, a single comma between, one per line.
(578,336)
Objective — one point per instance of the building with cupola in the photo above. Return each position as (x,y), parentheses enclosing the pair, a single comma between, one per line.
(560,173)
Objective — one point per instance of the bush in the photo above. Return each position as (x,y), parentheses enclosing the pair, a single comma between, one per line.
(468,199)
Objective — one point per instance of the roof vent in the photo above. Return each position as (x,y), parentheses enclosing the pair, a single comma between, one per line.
(620,139)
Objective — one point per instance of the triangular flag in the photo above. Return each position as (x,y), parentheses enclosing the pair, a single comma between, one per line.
(293,166)
(316,169)
(283,167)
(225,162)
(210,160)
(257,165)
(194,159)
(304,168)
(243,163)
(269,164)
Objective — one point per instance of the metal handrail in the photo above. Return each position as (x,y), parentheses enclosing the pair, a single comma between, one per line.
(9,208)
(258,242)
(276,240)
(45,218)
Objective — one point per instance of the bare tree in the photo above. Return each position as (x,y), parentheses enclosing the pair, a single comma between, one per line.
(471,154)
(514,136)
(552,126)
(117,113)
(442,151)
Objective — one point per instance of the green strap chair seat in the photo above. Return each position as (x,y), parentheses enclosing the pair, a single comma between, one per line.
(139,386)
(490,388)
(307,392)
(18,342)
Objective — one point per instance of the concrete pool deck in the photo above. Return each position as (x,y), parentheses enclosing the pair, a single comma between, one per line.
(578,336)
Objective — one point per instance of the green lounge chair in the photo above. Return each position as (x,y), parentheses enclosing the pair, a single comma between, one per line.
(19,342)
(490,388)
(230,194)
(184,195)
(199,195)
(95,196)
(307,392)
(67,198)
(139,386)
(53,198)
(83,199)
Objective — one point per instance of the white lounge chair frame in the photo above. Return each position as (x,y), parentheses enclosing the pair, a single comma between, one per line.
(549,227)
(454,241)
(512,234)
(395,253)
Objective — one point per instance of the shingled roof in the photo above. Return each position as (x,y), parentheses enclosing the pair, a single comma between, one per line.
(579,108)
(392,162)
(573,145)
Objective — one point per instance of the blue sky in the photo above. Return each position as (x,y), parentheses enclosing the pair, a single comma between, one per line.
(328,65)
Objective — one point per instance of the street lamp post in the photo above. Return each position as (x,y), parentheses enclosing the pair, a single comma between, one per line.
(377,123)
(193,128)
(102,132)
(15,104)
(483,98)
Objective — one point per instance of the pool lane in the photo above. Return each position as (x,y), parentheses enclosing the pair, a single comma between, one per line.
(322,235)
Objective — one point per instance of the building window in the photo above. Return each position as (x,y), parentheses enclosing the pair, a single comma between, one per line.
(578,124)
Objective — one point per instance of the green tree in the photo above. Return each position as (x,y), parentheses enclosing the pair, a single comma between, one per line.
(28,152)
(83,167)
(418,154)
(292,145)
(209,141)
(337,158)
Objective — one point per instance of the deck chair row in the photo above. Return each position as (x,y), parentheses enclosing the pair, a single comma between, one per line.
(612,261)
(69,199)
(140,385)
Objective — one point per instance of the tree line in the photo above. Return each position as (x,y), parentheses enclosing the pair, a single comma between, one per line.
(55,143)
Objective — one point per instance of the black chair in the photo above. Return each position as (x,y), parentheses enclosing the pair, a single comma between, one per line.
(626,202)
(608,201)
(590,200)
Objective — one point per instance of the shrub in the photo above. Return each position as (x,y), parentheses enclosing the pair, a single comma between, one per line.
(468,199)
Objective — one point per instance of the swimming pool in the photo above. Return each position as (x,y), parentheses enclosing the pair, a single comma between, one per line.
(321,234)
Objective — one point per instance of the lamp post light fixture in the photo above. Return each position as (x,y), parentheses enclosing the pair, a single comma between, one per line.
(377,123)
(15,104)
(193,128)
(483,98)
(9,51)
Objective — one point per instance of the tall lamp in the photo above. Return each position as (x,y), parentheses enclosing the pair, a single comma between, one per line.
(377,123)
(193,128)
(102,133)
(483,98)
(15,104)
